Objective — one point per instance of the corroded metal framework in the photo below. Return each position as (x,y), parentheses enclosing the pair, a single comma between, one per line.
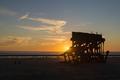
(86,48)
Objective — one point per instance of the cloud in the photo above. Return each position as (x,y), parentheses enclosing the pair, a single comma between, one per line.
(4,11)
(57,23)
(53,22)
(47,44)
(55,38)
(11,40)
(24,17)
(51,25)
(49,28)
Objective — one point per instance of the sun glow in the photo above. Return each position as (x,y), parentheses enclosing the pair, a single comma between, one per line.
(66,47)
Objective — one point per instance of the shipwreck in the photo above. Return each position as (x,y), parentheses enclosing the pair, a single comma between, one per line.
(86,48)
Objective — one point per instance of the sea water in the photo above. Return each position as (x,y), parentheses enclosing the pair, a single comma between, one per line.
(39,53)
(17,54)
(27,54)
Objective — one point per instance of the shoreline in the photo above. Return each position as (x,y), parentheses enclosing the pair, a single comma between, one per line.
(50,70)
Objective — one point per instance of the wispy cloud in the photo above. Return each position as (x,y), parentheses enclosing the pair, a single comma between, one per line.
(24,17)
(55,38)
(48,28)
(4,11)
(47,43)
(56,23)
(12,40)
(51,25)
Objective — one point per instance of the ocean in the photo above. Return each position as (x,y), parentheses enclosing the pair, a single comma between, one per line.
(114,57)
(39,53)
(28,53)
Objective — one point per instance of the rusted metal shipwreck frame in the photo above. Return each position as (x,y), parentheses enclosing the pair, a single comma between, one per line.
(86,48)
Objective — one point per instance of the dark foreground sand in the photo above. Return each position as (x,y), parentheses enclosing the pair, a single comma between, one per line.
(54,70)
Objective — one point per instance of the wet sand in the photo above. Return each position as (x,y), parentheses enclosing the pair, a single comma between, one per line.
(56,70)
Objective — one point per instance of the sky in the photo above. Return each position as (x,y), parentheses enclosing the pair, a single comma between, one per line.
(46,25)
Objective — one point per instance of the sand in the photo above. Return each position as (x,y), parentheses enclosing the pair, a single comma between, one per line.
(57,70)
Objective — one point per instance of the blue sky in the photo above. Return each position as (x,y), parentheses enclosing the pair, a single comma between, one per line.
(102,16)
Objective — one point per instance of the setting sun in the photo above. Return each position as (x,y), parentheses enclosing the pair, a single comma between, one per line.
(66,47)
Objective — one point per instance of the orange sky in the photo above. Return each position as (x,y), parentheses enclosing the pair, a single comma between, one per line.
(46,25)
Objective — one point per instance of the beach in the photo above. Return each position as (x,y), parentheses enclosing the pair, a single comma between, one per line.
(34,69)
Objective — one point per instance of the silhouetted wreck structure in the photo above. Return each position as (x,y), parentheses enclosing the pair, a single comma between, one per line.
(86,48)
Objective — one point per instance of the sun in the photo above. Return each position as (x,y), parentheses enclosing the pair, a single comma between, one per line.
(66,47)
